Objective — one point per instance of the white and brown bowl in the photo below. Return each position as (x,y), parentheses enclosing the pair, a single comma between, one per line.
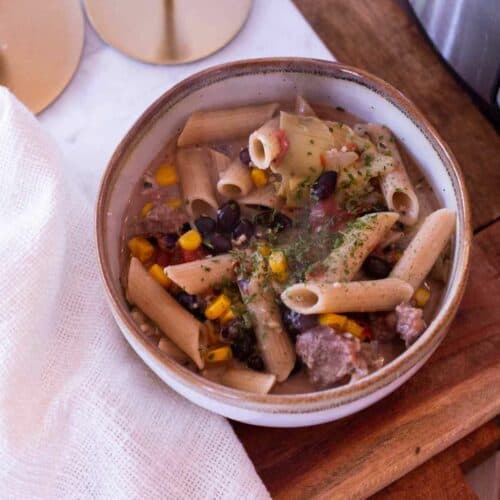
(246,82)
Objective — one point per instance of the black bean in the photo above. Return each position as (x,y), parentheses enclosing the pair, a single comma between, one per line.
(296,323)
(192,303)
(185,228)
(218,243)
(228,216)
(243,232)
(273,219)
(255,362)
(325,185)
(376,268)
(232,330)
(168,241)
(242,347)
(205,225)
(245,156)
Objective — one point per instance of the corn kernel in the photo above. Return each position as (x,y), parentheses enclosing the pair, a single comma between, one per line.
(211,333)
(218,307)
(277,262)
(227,316)
(166,175)
(219,354)
(158,274)
(174,203)
(264,250)
(146,209)
(141,248)
(191,240)
(354,329)
(334,320)
(259,177)
(422,296)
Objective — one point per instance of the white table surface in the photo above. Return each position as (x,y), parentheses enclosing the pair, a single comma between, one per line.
(109,91)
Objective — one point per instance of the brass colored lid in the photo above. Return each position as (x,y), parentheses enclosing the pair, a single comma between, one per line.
(40,47)
(167,31)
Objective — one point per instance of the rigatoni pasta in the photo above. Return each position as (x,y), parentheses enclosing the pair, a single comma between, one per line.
(275,250)
(196,181)
(235,181)
(204,127)
(264,144)
(248,380)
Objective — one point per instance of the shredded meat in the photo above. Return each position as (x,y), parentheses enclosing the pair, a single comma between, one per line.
(331,358)
(410,323)
(161,219)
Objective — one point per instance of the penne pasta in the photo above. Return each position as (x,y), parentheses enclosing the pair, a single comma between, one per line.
(355,296)
(235,181)
(303,108)
(168,347)
(395,185)
(218,163)
(425,247)
(264,197)
(196,181)
(358,240)
(200,275)
(338,160)
(204,127)
(354,180)
(264,145)
(273,341)
(175,322)
(248,380)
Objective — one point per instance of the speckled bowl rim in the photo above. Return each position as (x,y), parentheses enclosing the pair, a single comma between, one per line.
(320,400)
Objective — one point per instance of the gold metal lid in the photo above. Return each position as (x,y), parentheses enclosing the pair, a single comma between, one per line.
(167,31)
(40,47)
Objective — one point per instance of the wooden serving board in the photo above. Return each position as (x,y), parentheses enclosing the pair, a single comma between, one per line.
(458,389)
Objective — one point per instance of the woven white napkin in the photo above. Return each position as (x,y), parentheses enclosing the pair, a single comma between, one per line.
(80,415)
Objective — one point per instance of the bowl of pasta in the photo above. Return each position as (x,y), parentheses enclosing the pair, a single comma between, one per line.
(283,241)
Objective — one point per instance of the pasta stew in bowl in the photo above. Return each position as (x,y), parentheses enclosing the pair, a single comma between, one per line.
(283,248)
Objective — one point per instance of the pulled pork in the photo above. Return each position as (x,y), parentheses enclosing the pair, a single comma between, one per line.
(410,323)
(332,358)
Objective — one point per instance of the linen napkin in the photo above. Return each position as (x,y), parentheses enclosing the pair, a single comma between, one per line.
(80,415)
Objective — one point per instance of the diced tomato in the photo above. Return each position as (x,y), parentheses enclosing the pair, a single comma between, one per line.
(280,135)
(351,147)
(192,255)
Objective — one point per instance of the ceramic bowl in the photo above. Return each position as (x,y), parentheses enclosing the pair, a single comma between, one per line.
(247,82)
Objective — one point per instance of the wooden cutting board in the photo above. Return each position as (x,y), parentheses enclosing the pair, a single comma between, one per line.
(458,390)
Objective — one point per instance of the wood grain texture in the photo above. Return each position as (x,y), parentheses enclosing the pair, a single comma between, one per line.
(454,393)
(381,37)
(443,475)
(458,389)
